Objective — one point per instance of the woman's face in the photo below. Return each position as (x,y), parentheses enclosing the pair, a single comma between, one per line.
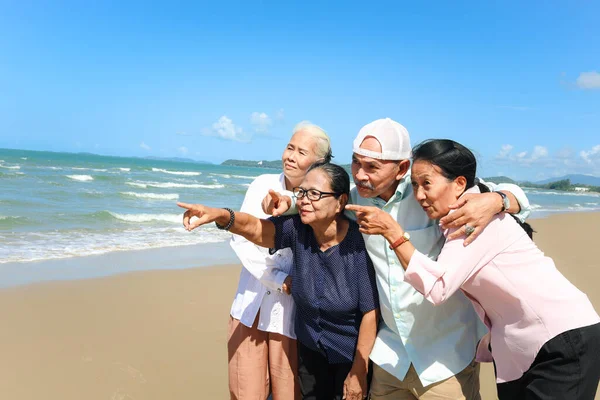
(299,155)
(318,210)
(434,191)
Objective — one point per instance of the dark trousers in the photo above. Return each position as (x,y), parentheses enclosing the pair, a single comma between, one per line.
(320,380)
(567,367)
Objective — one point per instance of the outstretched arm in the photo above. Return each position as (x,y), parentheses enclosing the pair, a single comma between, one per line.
(259,231)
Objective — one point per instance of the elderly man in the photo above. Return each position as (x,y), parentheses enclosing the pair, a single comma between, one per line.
(422,351)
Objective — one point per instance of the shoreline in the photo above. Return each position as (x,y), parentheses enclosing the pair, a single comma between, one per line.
(163,258)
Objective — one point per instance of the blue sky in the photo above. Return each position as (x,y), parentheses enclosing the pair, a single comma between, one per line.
(517,82)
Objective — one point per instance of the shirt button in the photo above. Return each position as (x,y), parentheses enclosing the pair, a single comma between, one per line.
(397,316)
(268,292)
(393,289)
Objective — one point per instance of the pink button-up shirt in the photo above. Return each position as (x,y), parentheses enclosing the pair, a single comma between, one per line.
(516,290)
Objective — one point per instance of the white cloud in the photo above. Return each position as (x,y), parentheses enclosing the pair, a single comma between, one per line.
(261,122)
(183,150)
(539,152)
(226,129)
(505,150)
(592,156)
(144,146)
(560,162)
(588,80)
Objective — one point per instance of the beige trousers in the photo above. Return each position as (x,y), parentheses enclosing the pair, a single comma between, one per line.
(261,363)
(462,386)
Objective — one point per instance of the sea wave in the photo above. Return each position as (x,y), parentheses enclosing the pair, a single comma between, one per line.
(174,218)
(80,178)
(561,193)
(169,185)
(89,169)
(33,246)
(228,176)
(152,196)
(186,173)
(10,166)
(12,221)
(124,169)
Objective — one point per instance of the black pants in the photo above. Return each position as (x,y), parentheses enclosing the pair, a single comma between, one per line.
(567,367)
(320,380)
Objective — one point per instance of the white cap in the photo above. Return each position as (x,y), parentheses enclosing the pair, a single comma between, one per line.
(393,138)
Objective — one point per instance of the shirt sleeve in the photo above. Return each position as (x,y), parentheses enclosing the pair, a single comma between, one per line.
(256,259)
(517,192)
(438,280)
(285,231)
(369,297)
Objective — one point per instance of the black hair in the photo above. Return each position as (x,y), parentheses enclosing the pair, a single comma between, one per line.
(339,180)
(454,160)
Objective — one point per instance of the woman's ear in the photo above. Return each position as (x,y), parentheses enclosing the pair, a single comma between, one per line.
(460,184)
(342,201)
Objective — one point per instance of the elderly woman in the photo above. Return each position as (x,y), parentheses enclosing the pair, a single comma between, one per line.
(261,342)
(545,333)
(332,280)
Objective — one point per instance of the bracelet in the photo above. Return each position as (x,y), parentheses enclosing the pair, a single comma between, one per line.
(231,220)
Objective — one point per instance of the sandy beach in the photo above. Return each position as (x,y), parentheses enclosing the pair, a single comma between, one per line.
(161,334)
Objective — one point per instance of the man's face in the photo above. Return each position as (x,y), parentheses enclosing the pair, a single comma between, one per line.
(373,177)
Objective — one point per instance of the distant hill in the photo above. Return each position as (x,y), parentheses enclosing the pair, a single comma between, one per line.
(576,179)
(499,179)
(254,164)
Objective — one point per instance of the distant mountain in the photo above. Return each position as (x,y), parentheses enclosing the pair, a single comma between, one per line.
(576,179)
(499,179)
(176,159)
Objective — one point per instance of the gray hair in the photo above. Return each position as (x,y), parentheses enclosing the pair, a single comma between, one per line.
(322,142)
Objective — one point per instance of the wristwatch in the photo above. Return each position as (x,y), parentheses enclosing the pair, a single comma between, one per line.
(505,201)
(403,239)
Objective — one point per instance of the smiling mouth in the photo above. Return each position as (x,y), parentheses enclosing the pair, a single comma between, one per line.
(288,166)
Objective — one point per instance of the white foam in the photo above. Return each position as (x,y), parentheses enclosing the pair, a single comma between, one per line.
(125,169)
(186,173)
(227,176)
(80,178)
(175,218)
(32,246)
(90,169)
(169,185)
(136,184)
(10,166)
(23,158)
(153,196)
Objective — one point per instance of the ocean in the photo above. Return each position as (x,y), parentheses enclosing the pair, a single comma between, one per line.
(64,205)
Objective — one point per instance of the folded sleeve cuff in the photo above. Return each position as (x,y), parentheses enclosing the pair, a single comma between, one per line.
(423,273)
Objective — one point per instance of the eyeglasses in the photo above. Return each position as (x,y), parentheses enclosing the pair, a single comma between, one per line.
(312,194)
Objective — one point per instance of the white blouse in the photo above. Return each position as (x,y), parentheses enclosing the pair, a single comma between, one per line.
(259,288)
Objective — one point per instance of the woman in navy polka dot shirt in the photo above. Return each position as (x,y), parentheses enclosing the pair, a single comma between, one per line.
(332,280)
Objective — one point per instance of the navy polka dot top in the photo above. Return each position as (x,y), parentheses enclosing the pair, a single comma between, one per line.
(332,289)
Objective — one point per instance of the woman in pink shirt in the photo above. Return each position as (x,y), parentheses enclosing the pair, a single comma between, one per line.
(545,333)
